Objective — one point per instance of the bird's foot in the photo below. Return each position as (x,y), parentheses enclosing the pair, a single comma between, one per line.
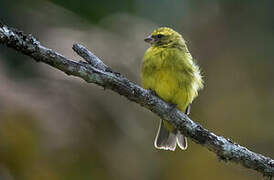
(173,106)
(152,92)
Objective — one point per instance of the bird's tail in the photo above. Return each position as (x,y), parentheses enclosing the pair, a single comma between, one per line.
(167,138)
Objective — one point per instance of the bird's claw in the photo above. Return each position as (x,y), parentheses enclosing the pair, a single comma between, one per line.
(152,92)
(173,106)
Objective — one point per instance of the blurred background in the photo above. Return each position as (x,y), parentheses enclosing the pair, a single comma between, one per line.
(57,127)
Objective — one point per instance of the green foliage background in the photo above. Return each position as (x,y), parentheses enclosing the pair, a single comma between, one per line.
(57,127)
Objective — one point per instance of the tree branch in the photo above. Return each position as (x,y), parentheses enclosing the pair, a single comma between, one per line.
(95,71)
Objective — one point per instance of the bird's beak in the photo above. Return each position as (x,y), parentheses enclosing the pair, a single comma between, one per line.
(149,39)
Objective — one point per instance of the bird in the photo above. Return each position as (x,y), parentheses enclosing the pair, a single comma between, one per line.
(169,71)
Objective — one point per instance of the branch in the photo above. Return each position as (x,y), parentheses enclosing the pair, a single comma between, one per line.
(95,71)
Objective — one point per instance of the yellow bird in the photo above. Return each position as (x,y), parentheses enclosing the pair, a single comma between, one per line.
(168,69)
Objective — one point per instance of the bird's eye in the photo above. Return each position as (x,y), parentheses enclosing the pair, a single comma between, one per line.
(160,36)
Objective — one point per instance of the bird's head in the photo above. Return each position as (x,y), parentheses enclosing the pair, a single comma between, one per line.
(164,36)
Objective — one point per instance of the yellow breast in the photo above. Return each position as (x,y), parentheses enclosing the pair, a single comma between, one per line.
(170,75)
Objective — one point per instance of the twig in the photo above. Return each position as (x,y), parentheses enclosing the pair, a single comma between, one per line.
(95,71)
(89,57)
